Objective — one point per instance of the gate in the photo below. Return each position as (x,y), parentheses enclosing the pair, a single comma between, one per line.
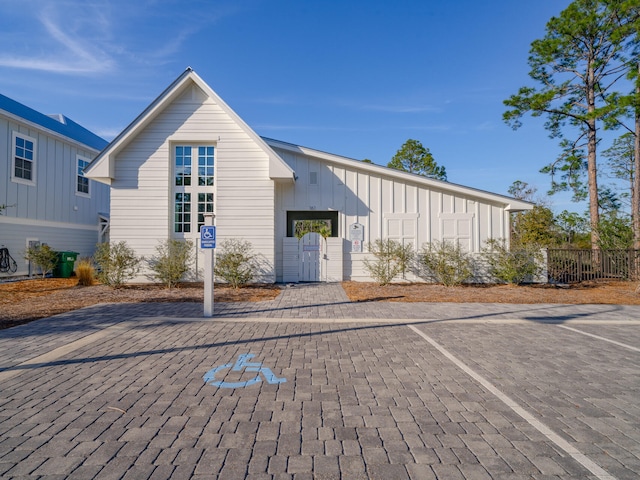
(310,250)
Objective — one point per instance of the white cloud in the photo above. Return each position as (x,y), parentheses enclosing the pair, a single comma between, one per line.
(62,39)
(99,36)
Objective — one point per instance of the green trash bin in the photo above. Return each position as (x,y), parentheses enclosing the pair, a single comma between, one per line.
(64,267)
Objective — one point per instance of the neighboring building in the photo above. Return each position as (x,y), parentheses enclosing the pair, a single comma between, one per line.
(47,197)
(188,153)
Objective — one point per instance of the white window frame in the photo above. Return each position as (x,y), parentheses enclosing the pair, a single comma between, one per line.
(193,189)
(21,180)
(87,194)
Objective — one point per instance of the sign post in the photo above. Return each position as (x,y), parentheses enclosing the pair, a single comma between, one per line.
(208,243)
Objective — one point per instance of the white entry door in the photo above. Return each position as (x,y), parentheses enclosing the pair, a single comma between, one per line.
(310,249)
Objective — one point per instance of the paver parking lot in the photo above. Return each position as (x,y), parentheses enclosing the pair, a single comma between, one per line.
(357,391)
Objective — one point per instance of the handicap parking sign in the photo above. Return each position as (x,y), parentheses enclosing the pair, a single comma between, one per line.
(207,236)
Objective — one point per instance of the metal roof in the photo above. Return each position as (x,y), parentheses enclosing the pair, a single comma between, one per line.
(55,123)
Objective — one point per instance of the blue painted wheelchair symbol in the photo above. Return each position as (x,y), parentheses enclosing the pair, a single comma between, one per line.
(241,362)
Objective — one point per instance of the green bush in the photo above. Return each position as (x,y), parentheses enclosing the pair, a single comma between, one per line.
(172,260)
(512,266)
(391,259)
(235,262)
(42,257)
(116,262)
(447,263)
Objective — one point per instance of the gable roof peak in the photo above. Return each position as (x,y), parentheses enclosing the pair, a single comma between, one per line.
(102,167)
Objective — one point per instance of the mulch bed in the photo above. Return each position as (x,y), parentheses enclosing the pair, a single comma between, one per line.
(27,300)
(601,292)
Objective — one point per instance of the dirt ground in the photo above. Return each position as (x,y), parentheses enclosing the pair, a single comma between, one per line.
(27,300)
(24,301)
(616,293)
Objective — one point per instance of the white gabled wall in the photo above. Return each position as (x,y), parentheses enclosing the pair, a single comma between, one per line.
(388,207)
(142,189)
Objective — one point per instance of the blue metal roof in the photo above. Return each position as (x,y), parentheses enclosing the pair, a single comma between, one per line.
(61,124)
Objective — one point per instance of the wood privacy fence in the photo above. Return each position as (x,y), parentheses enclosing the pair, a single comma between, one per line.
(570,266)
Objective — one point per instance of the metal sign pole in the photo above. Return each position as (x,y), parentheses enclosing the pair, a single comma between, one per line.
(208,271)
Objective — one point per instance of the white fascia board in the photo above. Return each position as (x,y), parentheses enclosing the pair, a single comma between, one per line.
(278,168)
(102,167)
(510,204)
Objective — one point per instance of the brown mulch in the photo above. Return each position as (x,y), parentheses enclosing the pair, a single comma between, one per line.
(602,292)
(27,300)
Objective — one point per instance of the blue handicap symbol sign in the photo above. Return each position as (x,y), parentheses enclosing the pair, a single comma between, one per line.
(242,363)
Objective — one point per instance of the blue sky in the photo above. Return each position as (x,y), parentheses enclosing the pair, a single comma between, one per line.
(356,78)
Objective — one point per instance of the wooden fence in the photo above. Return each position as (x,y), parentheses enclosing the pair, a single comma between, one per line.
(570,266)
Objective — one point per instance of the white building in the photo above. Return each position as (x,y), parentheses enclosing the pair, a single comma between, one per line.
(43,191)
(188,153)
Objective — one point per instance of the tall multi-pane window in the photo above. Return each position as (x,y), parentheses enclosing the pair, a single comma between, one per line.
(82,182)
(24,158)
(183,166)
(205,205)
(205,166)
(182,218)
(193,186)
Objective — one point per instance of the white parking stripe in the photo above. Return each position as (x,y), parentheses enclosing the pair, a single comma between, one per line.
(601,338)
(59,352)
(534,422)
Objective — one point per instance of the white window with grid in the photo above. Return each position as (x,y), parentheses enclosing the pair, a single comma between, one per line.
(23,165)
(82,182)
(193,183)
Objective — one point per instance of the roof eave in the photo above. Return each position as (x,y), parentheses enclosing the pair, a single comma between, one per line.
(510,204)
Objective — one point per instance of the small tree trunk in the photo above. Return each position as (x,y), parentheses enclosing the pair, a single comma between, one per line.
(592,170)
(635,198)
(635,189)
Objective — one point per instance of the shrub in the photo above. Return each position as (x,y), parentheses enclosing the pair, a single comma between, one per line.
(391,259)
(85,272)
(42,257)
(447,262)
(116,262)
(512,266)
(235,262)
(173,260)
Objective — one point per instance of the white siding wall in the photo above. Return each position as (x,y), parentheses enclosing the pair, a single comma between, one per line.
(387,207)
(50,210)
(142,194)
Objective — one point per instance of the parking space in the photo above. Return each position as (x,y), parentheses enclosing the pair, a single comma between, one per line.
(148,395)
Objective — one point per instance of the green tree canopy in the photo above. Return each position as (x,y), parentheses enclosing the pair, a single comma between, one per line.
(621,161)
(576,65)
(535,227)
(414,158)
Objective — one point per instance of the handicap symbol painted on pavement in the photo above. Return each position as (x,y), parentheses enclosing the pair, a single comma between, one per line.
(241,362)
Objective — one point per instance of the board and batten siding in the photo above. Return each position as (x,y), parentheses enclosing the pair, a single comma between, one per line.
(387,207)
(53,197)
(49,211)
(142,190)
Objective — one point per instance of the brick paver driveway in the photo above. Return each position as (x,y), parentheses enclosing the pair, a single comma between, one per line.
(313,386)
